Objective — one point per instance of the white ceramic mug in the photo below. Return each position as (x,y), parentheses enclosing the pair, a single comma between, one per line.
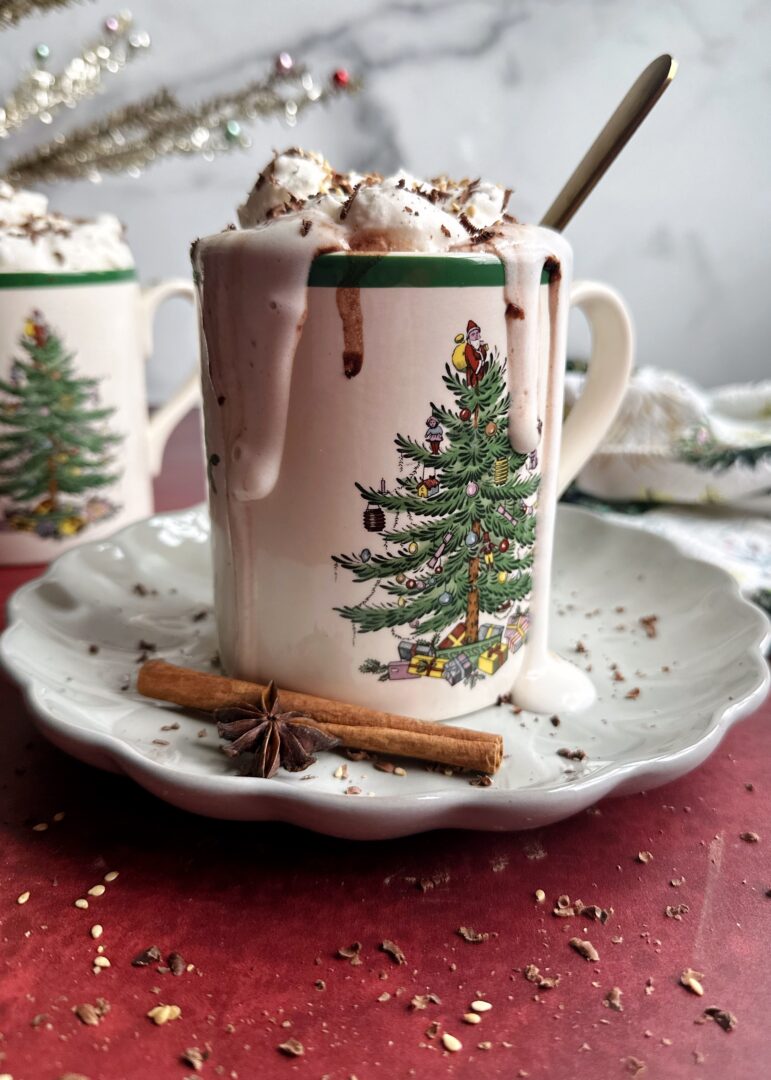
(391,559)
(78,449)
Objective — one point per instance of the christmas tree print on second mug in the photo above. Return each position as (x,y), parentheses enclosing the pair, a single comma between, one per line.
(459,546)
(55,444)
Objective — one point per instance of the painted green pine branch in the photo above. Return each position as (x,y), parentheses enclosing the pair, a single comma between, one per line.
(415,451)
(493,595)
(423,532)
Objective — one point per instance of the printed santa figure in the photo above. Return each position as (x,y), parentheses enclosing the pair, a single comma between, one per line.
(476,354)
(434,434)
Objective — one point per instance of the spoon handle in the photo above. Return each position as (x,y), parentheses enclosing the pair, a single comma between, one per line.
(638,102)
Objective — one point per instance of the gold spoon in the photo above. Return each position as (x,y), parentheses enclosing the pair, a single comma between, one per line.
(636,105)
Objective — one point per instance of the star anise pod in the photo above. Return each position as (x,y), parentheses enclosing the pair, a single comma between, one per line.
(273,738)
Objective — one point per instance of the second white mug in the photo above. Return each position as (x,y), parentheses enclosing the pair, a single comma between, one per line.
(78,449)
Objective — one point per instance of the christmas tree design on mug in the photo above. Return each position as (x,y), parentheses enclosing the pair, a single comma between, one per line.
(465,549)
(54,440)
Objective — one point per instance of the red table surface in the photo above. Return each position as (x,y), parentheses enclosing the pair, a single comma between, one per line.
(260,911)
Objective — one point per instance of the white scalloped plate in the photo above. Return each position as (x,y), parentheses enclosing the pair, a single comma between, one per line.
(711,640)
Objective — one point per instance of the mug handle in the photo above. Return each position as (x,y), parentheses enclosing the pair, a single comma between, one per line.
(610,367)
(163,422)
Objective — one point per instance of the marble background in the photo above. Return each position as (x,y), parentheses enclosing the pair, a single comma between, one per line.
(513,89)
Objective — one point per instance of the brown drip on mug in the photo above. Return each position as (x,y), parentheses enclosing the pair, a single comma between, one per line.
(349,306)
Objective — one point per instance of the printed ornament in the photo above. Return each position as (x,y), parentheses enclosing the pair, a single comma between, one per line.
(374,519)
(438,568)
(501,471)
(491,428)
(504,545)
(502,576)
(487,550)
(465,414)
(434,434)
(472,539)
(98,508)
(440,550)
(365,554)
(445,598)
(472,488)
(400,579)
(427,487)
(411,583)
(402,601)
(374,516)
(412,547)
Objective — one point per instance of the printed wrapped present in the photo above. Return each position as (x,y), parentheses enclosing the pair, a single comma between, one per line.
(426,665)
(457,669)
(465,663)
(493,658)
(490,632)
(516,631)
(400,669)
(425,648)
(455,637)
(407,649)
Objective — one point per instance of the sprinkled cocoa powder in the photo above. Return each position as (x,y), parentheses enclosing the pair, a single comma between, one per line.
(471,935)
(194,1057)
(691,980)
(151,955)
(425,884)
(350,952)
(724,1019)
(572,755)
(543,982)
(292,1048)
(393,950)
(422,1001)
(176,964)
(649,625)
(585,949)
(92,1015)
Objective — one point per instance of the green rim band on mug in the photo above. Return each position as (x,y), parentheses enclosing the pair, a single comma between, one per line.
(397,270)
(33,280)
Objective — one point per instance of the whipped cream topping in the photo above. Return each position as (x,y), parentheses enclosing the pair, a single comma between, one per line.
(34,239)
(394,213)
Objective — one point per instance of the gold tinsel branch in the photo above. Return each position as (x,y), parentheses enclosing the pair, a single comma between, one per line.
(13,11)
(41,93)
(137,135)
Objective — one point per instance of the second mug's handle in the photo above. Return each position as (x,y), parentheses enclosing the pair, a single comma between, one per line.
(163,422)
(608,374)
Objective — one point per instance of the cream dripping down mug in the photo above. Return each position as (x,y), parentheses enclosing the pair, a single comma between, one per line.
(383,500)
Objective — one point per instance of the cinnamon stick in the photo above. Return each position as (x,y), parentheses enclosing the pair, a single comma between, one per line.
(353,725)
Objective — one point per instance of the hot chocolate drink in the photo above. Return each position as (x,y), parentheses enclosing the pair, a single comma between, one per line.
(270,339)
